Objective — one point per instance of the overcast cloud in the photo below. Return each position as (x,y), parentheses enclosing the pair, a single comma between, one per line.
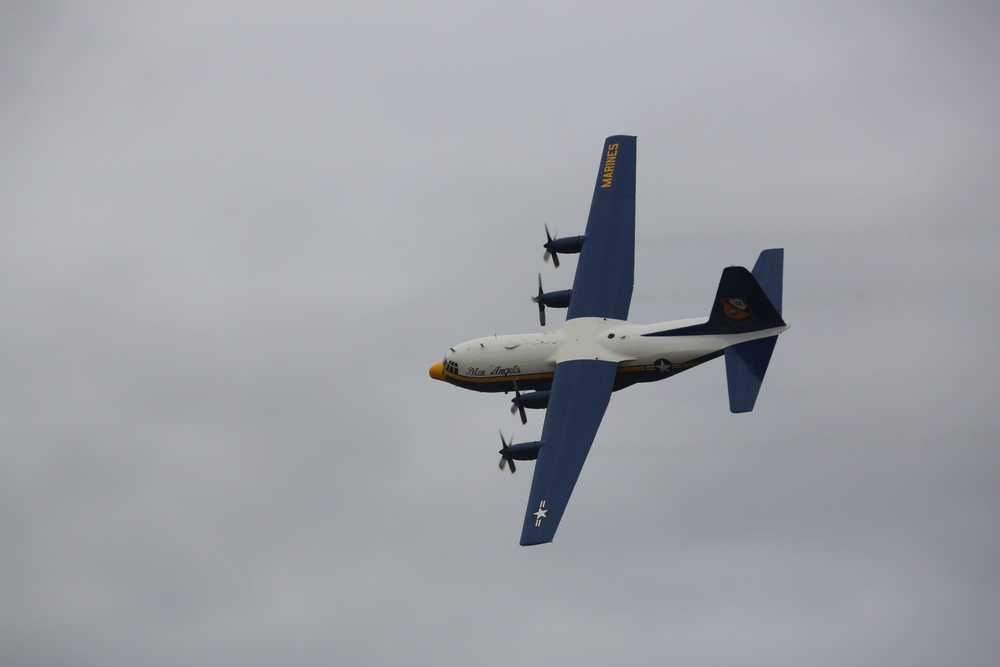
(234,235)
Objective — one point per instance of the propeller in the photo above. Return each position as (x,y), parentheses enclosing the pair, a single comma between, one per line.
(517,406)
(503,455)
(549,252)
(539,301)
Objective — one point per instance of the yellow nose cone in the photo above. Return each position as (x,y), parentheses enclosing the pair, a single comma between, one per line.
(437,371)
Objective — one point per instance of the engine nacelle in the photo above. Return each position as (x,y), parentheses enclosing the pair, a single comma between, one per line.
(534,400)
(557,299)
(523,451)
(568,245)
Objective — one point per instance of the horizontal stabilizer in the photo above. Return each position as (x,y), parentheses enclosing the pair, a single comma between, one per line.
(746,364)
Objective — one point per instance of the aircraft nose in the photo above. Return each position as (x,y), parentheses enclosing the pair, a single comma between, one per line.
(437,371)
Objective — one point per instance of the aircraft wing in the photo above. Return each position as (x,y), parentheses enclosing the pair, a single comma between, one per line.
(605,272)
(581,390)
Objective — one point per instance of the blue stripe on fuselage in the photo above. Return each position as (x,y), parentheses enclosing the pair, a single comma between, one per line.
(625,377)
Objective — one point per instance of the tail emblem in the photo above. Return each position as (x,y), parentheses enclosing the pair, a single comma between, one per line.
(736,308)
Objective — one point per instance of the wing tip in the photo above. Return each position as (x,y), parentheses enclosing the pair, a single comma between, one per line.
(532,543)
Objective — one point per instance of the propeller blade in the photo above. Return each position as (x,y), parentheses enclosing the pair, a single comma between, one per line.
(538,300)
(548,248)
(517,406)
(503,455)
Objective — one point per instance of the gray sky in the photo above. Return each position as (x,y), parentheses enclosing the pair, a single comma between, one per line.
(235,235)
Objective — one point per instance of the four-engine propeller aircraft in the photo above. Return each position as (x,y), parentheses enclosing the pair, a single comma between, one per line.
(572,371)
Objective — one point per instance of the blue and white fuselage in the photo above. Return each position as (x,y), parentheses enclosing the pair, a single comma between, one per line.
(644,353)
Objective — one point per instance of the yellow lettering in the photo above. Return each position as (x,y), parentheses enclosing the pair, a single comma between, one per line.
(609,165)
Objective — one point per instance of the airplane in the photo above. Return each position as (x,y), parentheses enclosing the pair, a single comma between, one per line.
(572,372)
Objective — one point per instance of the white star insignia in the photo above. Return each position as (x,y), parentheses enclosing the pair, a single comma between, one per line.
(542,513)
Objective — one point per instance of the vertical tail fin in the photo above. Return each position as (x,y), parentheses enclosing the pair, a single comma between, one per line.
(768,272)
(746,363)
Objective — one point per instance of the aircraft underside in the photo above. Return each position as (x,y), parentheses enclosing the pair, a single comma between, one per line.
(522,362)
(572,372)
